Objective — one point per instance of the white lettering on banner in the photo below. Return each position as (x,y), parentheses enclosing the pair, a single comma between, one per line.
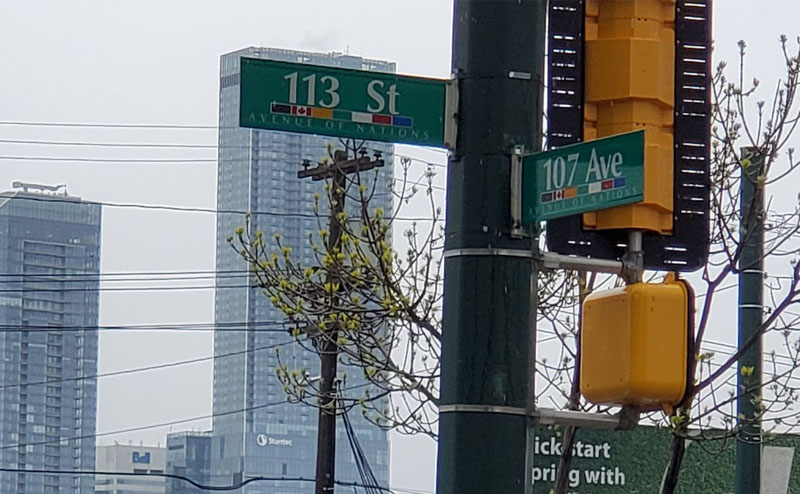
(552,447)
(604,167)
(597,475)
(379,99)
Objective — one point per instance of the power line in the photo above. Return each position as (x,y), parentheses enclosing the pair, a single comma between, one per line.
(121,144)
(144,427)
(191,209)
(33,278)
(93,159)
(123,289)
(113,160)
(148,160)
(136,370)
(165,207)
(112,125)
(85,272)
(246,326)
(161,424)
(153,145)
(197,485)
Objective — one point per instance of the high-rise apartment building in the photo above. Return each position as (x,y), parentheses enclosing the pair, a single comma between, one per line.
(127,458)
(50,261)
(188,455)
(254,433)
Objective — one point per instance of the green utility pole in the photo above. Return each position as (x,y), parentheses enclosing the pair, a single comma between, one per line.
(751,307)
(488,343)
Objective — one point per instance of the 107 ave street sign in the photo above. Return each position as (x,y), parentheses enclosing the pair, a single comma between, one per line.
(589,176)
(312,99)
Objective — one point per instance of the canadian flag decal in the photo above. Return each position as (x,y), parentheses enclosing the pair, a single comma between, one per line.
(304,111)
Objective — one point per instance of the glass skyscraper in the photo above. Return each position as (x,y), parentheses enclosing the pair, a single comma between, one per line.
(49,260)
(257,172)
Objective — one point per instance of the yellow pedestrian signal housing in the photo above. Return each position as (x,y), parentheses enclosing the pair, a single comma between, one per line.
(630,85)
(634,345)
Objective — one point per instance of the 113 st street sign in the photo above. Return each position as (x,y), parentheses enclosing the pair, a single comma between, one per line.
(589,176)
(312,99)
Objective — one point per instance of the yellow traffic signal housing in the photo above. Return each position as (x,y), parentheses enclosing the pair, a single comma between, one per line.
(630,85)
(634,345)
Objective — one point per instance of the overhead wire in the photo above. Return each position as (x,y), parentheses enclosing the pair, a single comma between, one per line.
(85,272)
(144,427)
(245,326)
(154,145)
(120,144)
(21,123)
(194,483)
(368,478)
(136,370)
(162,145)
(125,289)
(191,209)
(160,424)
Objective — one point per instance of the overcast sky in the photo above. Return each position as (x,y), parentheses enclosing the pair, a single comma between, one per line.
(156,62)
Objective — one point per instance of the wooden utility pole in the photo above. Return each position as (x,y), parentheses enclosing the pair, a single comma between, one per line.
(326,344)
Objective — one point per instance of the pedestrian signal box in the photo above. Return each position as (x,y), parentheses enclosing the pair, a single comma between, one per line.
(619,66)
(634,345)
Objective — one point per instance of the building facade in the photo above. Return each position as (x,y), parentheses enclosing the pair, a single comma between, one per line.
(130,459)
(188,455)
(254,431)
(50,261)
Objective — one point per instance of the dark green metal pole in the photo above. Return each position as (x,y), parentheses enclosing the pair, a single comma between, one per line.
(751,306)
(498,59)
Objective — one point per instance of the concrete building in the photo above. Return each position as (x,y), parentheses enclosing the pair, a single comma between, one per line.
(254,431)
(188,455)
(130,459)
(50,261)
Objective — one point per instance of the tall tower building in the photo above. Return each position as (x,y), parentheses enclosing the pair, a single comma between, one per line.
(257,172)
(49,260)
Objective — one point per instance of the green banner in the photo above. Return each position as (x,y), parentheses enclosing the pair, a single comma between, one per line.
(633,462)
(589,176)
(313,99)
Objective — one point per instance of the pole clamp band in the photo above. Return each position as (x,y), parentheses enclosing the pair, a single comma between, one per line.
(485,409)
(520,254)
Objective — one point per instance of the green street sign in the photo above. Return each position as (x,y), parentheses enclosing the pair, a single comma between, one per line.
(312,99)
(633,462)
(589,176)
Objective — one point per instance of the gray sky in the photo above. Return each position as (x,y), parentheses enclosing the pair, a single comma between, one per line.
(156,62)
